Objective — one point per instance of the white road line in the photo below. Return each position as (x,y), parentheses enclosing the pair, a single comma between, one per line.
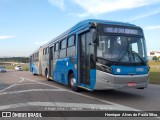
(65,105)
(7,88)
(22,79)
(93,98)
(27,84)
(42,83)
(31,90)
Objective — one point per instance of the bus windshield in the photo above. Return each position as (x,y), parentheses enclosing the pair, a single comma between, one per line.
(122,49)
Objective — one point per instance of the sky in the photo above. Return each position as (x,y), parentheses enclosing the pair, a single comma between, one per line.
(25,25)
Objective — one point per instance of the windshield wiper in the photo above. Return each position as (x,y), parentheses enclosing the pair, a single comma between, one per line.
(139,57)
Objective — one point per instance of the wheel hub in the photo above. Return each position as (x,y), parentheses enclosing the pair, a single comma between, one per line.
(73,82)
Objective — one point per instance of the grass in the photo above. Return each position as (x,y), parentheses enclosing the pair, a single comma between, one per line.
(12,67)
(154,63)
(154,75)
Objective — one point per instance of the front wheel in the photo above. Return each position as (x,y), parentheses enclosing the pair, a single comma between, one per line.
(72,83)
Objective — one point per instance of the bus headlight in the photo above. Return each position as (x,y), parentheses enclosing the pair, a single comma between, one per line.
(104,68)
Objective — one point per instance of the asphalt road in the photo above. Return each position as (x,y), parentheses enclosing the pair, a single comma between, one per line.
(21,91)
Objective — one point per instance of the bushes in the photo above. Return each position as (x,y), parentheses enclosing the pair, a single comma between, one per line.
(26,68)
(155,58)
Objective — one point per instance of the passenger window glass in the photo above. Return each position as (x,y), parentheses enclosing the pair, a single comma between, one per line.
(43,51)
(38,54)
(71,41)
(47,50)
(63,44)
(56,47)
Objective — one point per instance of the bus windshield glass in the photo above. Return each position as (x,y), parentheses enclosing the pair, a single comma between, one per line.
(122,49)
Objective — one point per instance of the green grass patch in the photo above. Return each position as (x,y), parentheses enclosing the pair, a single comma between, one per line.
(154,75)
(154,63)
(12,67)
(9,67)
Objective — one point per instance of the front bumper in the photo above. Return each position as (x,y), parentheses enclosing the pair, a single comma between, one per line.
(108,81)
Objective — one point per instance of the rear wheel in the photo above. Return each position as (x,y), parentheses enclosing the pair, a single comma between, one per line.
(72,83)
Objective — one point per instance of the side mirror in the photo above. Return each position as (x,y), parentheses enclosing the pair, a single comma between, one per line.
(94,35)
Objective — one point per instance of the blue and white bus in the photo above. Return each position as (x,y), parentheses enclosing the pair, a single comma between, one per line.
(95,55)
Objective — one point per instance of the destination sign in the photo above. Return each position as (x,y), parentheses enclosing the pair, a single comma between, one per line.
(122,30)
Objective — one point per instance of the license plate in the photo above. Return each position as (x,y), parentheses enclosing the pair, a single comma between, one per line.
(132,84)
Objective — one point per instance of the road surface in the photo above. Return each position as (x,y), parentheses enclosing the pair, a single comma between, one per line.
(21,91)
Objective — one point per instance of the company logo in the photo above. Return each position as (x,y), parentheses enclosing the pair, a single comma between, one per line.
(6,114)
(118,70)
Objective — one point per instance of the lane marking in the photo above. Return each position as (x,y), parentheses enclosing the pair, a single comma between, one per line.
(8,87)
(65,105)
(22,79)
(42,83)
(90,97)
(27,84)
(12,85)
(31,90)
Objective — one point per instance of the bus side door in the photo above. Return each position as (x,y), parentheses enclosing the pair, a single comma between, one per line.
(84,58)
(51,60)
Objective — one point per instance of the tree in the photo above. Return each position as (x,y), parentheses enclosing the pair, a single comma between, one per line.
(15,59)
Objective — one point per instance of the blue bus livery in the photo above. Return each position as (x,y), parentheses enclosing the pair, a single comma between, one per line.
(95,55)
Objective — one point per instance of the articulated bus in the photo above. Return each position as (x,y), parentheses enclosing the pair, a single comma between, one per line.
(95,55)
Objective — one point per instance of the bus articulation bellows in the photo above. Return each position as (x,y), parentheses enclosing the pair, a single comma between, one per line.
(95,55)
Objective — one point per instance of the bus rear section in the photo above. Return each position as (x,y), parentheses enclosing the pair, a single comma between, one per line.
(35,62)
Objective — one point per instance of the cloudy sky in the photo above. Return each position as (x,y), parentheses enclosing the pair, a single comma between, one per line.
(27,24)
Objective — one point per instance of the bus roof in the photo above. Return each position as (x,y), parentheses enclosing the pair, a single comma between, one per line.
(108,22)
(86,23)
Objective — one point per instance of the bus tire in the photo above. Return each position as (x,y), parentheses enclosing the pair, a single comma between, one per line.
(72,83)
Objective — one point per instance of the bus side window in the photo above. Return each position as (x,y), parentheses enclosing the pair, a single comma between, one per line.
(63,48)
(47,51)
(44,51)
(56,53)
(37,54)
(44,54)
(52,53)
(71,46)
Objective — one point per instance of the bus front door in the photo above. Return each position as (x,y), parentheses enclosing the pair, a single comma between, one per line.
(84,59)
